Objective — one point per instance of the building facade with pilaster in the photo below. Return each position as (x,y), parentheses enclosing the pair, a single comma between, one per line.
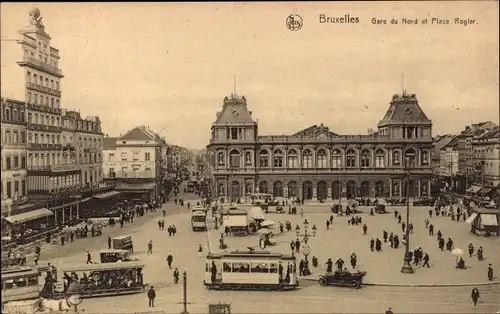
(316,163)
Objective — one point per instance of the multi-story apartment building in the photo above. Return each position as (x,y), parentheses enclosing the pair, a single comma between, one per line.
(453,163)
(486,148)
(13,152)
(54,178)
(134,161)
(439,142)
(82,145)
(318,163)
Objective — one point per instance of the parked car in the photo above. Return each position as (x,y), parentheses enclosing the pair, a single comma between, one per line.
(343,279)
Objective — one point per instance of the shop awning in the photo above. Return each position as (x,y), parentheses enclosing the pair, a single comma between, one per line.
(474,189)
(471,218)
(484,191)
(106,195)
(31,215)
(136,186)
(489,219)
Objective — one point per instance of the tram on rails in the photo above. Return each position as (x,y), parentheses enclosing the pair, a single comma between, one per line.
(251,270)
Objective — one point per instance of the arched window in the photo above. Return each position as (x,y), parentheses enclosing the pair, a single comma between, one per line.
(7,114)
(278,159)
(293,159)
(220,159)
(264,159)
(321,159)
(410,158)
(336,158)
(14,115)
(351,158)
(379,158)
(396,159)
(307,159)
(365,158)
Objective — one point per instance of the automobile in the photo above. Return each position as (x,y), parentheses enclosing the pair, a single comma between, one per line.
(342,279)
(115,255)
(380,209)
(422,202)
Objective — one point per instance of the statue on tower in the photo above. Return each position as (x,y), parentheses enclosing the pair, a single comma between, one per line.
(36,19)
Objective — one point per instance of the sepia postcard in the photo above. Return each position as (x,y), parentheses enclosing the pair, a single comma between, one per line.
(250,157)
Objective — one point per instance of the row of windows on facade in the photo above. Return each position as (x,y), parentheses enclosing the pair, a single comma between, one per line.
(135,156)
(321,159)
(56,121)
(16,116)
(42,81)
(45,159)
(37,99)
(277,188)
(14,189)
(43,54)
(14,137)
(13,162)
(43,138)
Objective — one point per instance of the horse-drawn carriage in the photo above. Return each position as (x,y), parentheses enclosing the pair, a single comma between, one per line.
(342,279)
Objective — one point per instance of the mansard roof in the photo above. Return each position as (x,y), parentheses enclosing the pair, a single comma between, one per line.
(315,130)
(234,111)
(404,109)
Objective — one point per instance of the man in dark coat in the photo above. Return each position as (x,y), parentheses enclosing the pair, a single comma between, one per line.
(151,296)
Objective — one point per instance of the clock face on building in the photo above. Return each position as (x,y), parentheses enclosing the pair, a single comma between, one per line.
(235,113)
(322,135)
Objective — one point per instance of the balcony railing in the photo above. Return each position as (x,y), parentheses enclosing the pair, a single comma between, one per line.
(43,89)
(43,127)
(332,171)
(44,108)
(40,65)
(39,146)
(55,168)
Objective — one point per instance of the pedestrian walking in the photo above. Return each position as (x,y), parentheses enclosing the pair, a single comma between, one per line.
(200,251)
(150,247)
(490,272)
(176,275)
(426,260)
(151,296)
(475,296)
(170,259)
(109,242)
(89,258)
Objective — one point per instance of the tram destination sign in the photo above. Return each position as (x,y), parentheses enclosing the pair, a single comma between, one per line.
(219,308)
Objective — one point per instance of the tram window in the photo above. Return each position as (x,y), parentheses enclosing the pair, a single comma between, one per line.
(273,268)
(32,281)
(241,268)
(259,268)
(226,267)
(15,283)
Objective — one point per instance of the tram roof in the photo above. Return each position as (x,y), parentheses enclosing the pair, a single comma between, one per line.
(103,266)
(254,255)
(17,271)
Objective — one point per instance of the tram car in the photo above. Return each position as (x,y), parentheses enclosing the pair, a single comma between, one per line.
(251,270)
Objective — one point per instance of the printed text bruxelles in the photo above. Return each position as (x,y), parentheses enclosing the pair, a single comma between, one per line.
(346,19)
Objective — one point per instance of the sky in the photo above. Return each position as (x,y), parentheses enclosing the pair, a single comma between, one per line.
(170,65)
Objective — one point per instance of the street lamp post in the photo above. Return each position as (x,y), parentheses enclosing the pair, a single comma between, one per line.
(340,187)
(407,268)
(306,250)
(184,293)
